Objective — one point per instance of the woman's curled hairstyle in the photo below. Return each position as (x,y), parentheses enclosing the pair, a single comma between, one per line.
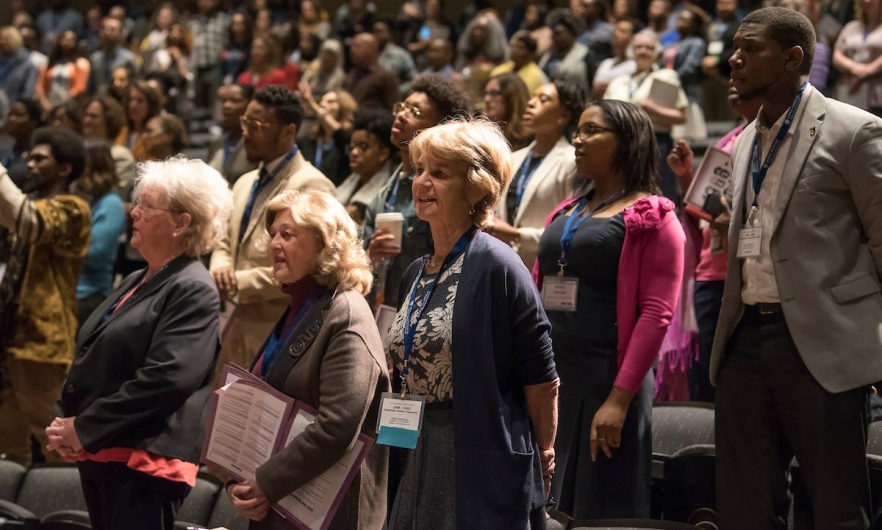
(342,260)
(477,145)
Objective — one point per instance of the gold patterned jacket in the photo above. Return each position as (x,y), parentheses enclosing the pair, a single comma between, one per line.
(46,323)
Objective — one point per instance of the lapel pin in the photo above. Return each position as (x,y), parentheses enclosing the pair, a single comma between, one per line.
(812,131)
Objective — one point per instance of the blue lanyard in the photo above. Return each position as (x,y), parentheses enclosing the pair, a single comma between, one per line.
(392,198)
(265,178)
(526,175)
(576,219)
(632,91)
(228,148)
(759,171)
(279,337)
(410,327)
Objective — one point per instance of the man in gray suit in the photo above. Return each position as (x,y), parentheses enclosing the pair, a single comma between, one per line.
(798,341)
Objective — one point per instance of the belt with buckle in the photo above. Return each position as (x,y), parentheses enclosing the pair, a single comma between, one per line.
(764,309)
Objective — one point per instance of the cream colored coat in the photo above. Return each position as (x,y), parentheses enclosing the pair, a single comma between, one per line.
(549,186)
(261,302)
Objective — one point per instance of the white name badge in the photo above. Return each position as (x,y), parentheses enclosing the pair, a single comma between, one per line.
(401,419)
(715,47)
(749,242)
(2,271)
(559,294)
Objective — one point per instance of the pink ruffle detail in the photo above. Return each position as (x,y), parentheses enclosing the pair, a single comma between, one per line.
(646,214)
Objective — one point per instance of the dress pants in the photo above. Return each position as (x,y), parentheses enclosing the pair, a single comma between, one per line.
(770,408)
(122,498)
(27,401)
(708,301)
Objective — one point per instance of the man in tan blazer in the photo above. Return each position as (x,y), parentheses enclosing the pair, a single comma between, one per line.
(241,265)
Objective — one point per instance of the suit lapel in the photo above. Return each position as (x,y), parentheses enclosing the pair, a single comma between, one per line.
(547,163)
(803,139)
(269,192)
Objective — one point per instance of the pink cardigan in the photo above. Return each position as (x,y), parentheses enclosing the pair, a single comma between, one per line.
(648,283)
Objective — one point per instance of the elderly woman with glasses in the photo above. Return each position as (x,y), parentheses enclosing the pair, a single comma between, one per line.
(132,403)
(610,263)
(339,367)
(472,341)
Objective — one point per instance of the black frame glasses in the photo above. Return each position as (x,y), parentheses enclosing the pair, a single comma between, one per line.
(588,130)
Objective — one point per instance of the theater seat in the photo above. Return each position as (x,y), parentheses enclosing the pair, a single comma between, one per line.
(11,476)
(197,507)
(225,515)
(629,524)
(689,488)
(49,488)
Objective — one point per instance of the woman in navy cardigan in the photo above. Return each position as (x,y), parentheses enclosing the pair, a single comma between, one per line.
(470,325)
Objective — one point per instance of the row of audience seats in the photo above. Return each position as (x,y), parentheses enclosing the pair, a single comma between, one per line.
(683,475)
(51,495)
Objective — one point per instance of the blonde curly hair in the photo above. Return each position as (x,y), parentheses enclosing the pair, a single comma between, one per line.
(342,261)
(479,146)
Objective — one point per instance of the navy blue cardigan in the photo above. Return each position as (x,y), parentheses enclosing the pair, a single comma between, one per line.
(501,342)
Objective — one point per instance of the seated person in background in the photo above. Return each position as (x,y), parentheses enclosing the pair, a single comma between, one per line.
(25,116)
(43,240)
(522,50)
(439,59)
(568,59)
(131,411)
(263,66)
(619,63)
(104,119)
(324,275)
(370,159)
(505,100)
(164,136)
(19,78)
(372,86)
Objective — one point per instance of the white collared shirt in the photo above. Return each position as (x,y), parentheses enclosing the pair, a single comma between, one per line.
(757,273)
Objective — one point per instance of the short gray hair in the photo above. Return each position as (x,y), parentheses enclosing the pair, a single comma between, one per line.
(195,188)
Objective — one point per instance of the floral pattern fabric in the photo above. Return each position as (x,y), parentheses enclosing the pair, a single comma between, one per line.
(430,366)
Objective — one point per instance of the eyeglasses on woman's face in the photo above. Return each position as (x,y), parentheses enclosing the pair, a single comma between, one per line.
(145,206)
(588,130)
(402,106)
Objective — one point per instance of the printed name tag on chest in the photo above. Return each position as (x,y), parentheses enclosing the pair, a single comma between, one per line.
(559,294)
(401,418)
(749,242)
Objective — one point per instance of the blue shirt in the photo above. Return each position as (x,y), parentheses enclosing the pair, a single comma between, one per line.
(108,224)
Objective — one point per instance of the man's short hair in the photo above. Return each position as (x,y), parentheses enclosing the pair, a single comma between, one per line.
(287,104)
(448,98)
(787,28)
(67,147)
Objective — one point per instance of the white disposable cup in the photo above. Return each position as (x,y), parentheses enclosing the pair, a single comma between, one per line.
(393,222)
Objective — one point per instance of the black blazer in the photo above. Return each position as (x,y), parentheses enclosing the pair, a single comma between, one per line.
(141,378)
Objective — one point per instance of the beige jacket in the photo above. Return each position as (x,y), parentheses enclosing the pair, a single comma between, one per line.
(550,185)
(261,302)
(333,362)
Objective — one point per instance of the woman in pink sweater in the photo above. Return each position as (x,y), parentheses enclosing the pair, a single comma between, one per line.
(609,266)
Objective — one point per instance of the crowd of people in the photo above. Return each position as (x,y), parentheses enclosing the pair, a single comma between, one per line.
(536,156)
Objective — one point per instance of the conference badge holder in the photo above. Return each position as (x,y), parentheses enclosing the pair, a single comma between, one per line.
(750,238)
(401,419)
(559,293)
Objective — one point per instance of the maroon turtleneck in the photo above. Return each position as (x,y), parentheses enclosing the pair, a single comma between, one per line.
(299,291)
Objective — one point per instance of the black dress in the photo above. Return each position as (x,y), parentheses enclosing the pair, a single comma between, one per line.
(585,352)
